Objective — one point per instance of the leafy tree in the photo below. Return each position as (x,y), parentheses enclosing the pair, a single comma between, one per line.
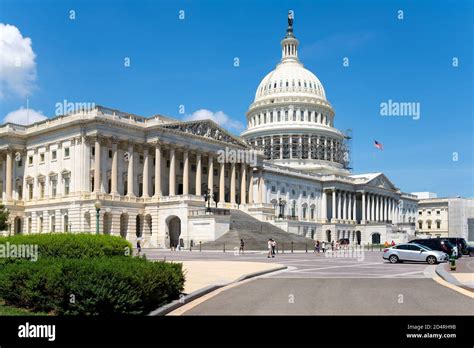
(4,213)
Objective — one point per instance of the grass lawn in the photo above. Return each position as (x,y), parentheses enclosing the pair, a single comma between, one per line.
(7,310)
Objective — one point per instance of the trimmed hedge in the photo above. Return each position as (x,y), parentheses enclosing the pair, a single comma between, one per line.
(77,245)
(105,286)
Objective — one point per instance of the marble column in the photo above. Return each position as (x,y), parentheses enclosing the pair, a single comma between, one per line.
(198,174)
(363,207)
(339,205)
(334,212)
(130,174)
(114,173)
(232,182)
(97,152)
(222,183)
(372,207)
(251,201)
(9,175)
(172,176)
(146,172)
(344,206)
(243,183)
(158,191)
(324,213)
(261,188)
(377,208)
(210,175)
(354,207)
(185,173)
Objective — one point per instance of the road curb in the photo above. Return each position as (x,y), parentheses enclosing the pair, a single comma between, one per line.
(204,291)
(440,271)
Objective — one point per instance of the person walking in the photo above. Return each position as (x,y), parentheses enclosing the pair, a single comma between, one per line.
(274,243)
(323,246)
(242,244)
(393,243)
(139,246)
(332,245)
(269,246)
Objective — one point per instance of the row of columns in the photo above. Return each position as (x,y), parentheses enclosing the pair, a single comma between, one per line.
(172,174)
(379,208)
(375,207)
(281,116)
(346,205)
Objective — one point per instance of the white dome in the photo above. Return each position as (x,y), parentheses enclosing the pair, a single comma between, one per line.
(290,78)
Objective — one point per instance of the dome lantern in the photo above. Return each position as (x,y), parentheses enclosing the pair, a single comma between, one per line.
(289,45)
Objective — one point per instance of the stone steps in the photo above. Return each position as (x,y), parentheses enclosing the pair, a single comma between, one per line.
(255,234)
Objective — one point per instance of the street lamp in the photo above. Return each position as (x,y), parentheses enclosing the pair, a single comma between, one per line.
(97,206)
(281,204)
(207,198)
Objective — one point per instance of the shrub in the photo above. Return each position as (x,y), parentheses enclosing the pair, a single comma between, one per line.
(106,286)
(68,245)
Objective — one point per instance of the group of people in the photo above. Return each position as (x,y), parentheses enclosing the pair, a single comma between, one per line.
(323,246)
(271,244)
(387,244)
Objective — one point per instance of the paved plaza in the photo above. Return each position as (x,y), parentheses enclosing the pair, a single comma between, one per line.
(315,284)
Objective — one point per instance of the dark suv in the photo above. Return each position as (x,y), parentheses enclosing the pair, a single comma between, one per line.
(463,247)
(441,244)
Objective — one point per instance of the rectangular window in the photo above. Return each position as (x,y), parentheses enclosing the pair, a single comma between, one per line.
(204,170)
(193,168)
(215,172)
(20,162)
(438,212)
(54,185)
(110,153)
(30,160)
(40,223)
(54,155)
(41,189)
(66,186)
(273,189)
(93,150)
(66,152)
(30,191)
(41,157)
(141,159)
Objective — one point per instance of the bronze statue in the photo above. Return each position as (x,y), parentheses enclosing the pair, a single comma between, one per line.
(290,18)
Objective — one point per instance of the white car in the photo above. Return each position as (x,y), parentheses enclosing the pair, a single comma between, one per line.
(414,252)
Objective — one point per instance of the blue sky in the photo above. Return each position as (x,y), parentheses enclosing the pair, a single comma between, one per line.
(190,62)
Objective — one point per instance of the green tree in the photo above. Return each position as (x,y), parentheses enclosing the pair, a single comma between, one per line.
(4,213)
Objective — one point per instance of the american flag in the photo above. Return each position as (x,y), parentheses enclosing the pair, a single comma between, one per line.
(378,145)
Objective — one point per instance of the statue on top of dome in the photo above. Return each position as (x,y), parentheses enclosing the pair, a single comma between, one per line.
(290,18)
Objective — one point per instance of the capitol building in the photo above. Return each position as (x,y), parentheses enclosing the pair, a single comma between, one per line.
(108,171)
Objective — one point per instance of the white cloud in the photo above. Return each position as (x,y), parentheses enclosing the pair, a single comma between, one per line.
(24,116)
(17,62)
(219,117)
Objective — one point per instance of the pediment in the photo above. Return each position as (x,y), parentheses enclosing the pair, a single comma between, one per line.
(206,129)
(382,181)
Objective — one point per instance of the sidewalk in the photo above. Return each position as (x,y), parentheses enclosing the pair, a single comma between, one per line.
(464,274)
(201,274)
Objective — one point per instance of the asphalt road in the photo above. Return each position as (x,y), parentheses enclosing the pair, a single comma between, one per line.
(333,296)
(315,284)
